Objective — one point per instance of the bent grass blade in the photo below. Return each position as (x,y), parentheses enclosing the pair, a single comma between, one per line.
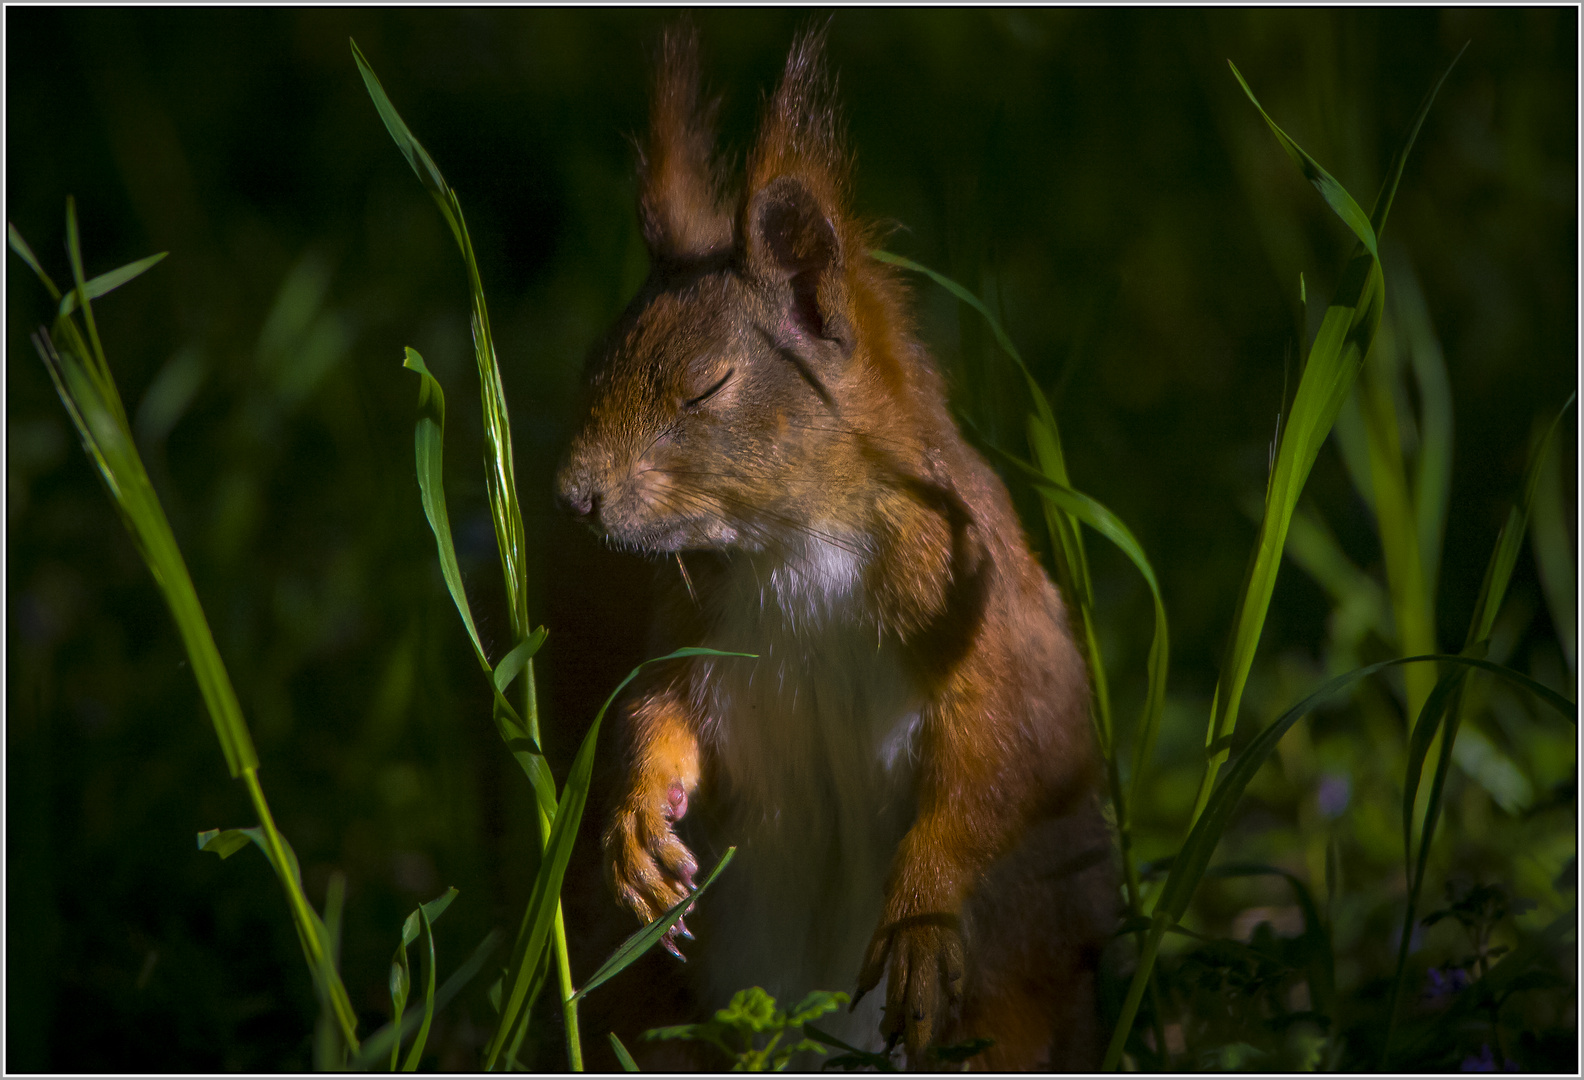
(80,372)
(544,903)
(644,940)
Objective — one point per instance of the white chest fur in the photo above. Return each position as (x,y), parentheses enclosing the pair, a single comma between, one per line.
(814,744)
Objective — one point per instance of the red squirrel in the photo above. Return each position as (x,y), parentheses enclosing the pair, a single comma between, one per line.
(907,768)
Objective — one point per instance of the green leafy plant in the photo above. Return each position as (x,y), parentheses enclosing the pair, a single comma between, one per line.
(751,1029)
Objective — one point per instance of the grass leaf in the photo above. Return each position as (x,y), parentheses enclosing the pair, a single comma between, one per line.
(643,940)
(378,1045)
(416,1051)
(512,663)
(429,445)
(1335,195)
(627,1063)
(99,286)
(543,900)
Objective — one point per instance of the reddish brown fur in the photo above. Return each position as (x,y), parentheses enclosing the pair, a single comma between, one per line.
(997,904)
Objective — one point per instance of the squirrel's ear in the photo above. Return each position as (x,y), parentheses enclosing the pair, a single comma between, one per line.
(792,224)
(790,242)
(679,182)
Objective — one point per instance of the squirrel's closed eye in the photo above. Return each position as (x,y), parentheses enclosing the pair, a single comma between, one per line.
(693,403)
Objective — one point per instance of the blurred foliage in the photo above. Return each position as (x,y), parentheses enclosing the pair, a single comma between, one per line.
(1096,175)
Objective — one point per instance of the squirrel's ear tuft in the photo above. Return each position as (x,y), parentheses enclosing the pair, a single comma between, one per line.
(800,133)
(679,203)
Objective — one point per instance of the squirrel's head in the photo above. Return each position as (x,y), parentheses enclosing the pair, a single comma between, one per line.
(715,402)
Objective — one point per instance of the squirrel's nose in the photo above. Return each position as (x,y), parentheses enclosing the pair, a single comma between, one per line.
(578,495)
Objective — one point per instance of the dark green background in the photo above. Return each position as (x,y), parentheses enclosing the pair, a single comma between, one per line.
(1097,175)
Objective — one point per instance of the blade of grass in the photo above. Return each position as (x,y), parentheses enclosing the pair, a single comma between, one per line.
(1433,465)
(1553,553)
(330,1053)
(401,971)
(645,939)
(1335,195)
(429,448)
(627,1063)
(1087,510)
(1498,572)
(1413,615)
(379,1044)
(416,1052)
(81,375)
(99,286)
(1339,349)
(542,904)
(501,474)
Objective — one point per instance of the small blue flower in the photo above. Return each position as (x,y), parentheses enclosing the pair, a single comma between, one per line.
(1484,1061)
(1443,985)
(1332,798)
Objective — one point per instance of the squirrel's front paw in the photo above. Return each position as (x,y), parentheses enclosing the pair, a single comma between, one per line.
(924,979)
(649,868)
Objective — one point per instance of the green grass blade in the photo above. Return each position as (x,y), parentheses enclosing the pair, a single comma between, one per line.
(99,286)
(501,479)
(1097,517)
(1335,195)
(432,911)
(400,987)
(1425,729)
(429,442)
(378,1045)
(1388,192)
(512,663)
(226,843)
(1412,611)
(411,1064)
(1041,405)
(1432,488)
(25,253)
(1510,540)
(1344,340)
(110,446)
(1553,554)
(645,939)
(330,1053)
(1334,361)
(627,1063)
(74,252)
(423,165)
(401,972)
(542,903)
(82,378)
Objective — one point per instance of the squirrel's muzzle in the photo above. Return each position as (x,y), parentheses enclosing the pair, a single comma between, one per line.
(577,492)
